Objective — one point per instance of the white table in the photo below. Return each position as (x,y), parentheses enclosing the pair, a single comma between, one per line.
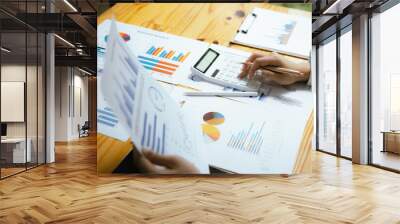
(18,144)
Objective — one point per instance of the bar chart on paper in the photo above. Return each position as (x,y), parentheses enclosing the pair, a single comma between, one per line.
(106,117)
(280,31)
(248,140)
(153,136)
(158,65)
(127,99)
(162,60)
(162,52)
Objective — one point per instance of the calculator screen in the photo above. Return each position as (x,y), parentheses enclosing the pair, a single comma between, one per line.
(206,60)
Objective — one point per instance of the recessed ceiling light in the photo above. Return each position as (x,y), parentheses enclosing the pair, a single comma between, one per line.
(5,50)
(70,5)
(337,7)
(64,40)
(86,72)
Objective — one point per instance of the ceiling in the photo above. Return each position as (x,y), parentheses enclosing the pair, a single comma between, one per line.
(332,15)
(22,21)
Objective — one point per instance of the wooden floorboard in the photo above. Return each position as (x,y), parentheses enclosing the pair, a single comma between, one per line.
(70,191)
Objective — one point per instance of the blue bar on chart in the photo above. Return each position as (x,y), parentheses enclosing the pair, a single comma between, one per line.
(158,144)
(154,131)
(129,93)
(106,116)
(148,136)
(163,53)
(151,138)
(163,140)
(132,66)
(178,57)
(126,101)
(249,140)
(144,129)
(151,50)
(101,51)
(167,54)
(158,65)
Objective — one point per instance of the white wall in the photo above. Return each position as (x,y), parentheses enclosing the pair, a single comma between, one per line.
(71,94)
(61,103)
(33,127)
(12,73)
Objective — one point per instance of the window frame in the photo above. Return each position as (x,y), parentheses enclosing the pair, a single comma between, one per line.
(378,10)
(334,37)
(29,29)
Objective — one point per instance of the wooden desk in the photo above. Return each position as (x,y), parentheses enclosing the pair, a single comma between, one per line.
(211,22)
(391,141)
(13,150)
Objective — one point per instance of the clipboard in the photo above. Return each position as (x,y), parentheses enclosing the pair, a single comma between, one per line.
(274,31)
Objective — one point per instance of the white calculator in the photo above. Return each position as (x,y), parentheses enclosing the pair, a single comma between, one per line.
(223,68)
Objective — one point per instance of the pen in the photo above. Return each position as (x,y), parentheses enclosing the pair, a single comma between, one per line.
(221,93)
(279,69)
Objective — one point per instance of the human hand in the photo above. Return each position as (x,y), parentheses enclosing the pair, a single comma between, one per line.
(150,162)
(256,61)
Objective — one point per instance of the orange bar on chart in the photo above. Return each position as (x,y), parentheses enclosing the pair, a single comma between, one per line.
(162,71)
(184,57)
(155,53)
(169,55)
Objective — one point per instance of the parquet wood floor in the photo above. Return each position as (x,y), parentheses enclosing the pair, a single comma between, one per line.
(70,191)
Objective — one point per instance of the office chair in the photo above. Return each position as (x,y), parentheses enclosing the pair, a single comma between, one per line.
(84,130)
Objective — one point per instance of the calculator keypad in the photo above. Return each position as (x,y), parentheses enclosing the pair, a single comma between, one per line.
(230,69)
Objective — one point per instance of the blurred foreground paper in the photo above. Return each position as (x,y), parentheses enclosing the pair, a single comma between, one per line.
(150,116)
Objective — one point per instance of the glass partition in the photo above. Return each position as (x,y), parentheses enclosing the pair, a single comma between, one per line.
(22,67)
(346,93)
(31,97)
(327,96)
(385,89)
(14,153)
(41,97)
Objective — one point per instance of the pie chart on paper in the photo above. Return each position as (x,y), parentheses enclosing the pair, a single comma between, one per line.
(210,133)
(213,118)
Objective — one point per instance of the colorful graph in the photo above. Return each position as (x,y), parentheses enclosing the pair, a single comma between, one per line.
(213,118)
(101,51)
(106,116)
(210,132)
(124,36)
(150,137)
(158,65)
(249,140)
(281,32)
(287,31)
(167,54)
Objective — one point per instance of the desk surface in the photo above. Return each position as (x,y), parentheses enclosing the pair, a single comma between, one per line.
(13,140)
(391,132)
(211,22)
